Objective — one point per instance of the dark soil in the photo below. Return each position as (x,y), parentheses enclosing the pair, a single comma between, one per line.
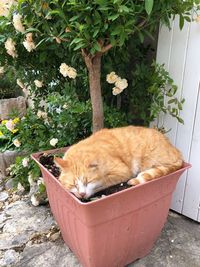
(108,191)
(47,160)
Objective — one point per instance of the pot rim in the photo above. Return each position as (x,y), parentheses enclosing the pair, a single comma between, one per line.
(35,157)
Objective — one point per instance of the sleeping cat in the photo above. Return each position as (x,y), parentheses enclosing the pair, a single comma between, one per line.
(111,156)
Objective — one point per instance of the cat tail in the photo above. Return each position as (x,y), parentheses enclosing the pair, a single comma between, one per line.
(154,173)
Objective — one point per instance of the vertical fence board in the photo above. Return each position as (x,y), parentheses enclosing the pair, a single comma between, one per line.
(192,187)
(183,61)
(163,57)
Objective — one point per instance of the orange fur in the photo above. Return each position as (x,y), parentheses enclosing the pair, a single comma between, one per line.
(112,156)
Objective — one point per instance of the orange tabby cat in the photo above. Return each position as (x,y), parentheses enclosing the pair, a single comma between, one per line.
(112,156)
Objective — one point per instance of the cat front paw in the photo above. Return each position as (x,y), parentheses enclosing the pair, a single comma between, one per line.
(133,182)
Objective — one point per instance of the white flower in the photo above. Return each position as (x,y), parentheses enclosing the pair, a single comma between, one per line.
(72,73)
(41,114)
(63,69)
(112,77)
(53,141)
(38,83)
(29,46)
(29,37)
(17,23)
(17,143)
(25,162)
(28,43)
(1,70)
(5,7)
(121,83)
(43,103)
(35,201)
(10,47)
(58,110)
(116,90)
(20,83)
(66,70)
(65,106)
(10,125)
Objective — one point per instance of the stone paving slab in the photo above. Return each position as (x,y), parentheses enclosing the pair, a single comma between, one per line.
(29,237)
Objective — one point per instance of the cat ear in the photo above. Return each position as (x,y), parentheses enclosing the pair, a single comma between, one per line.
(61,163)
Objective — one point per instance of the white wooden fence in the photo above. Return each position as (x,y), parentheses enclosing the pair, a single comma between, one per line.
(180,52)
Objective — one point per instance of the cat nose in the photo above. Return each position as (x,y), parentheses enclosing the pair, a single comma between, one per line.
(82,194)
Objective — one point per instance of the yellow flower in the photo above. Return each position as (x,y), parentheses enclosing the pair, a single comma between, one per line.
(16,120)
(4,122)
(1,134)
(15,130)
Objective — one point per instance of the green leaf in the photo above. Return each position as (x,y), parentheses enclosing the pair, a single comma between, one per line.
(149,6)
(122,38)
(180,106)
(80,45)
(171,101)
(97,47)
(74,18)
(101,2)
(95,33)
(188,19)
(117,30)
(180,120)
(42,188)
(141,36)
(181,21)
(76,41)
(123,8)
(113,17)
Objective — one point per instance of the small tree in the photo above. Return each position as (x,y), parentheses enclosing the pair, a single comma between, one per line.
(92,28)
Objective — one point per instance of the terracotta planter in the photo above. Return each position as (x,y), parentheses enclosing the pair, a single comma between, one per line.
(116,230)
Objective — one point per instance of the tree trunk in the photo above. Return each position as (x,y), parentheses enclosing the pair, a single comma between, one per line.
(94,68)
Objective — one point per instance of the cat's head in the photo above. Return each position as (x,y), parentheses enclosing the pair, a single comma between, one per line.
(83,177)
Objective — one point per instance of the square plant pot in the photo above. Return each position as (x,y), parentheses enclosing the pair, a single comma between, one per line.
(115,230)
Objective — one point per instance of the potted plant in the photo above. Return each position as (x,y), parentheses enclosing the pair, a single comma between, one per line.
(91,31)
(114,230)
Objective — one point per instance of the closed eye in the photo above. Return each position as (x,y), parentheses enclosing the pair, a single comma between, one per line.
(93,165)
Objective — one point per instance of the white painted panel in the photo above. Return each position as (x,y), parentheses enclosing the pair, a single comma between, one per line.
(192,187)
(190,93)
(163,57)
(182,60)
(164,45)
(198,218)
(176,70)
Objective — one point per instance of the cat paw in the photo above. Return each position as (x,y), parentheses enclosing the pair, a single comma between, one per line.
(133,182)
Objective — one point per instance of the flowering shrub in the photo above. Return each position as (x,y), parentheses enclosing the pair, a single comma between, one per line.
(9,134)
(24,171)
(60,121)
(40,37)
